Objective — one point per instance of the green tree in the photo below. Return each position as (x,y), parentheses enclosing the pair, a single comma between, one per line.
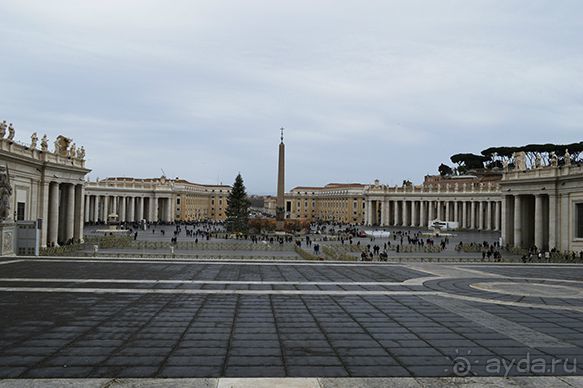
(468,162)
(444,170)
(238,208)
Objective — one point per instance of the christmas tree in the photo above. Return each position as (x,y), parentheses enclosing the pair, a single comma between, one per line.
(238,208)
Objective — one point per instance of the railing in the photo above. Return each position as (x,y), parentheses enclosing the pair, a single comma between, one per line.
(65,250)
(542,172)
(438,189)
(24,150)
(127,242)
(189,256)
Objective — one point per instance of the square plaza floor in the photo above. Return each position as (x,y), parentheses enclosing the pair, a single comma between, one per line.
(175,318)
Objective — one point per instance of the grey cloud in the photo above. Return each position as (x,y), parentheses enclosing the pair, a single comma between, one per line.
(368,89)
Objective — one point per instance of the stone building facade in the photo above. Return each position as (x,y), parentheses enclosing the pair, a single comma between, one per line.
(543,207)
(199,202)
(154,200)
(48,185)
(338,202)
(475,205)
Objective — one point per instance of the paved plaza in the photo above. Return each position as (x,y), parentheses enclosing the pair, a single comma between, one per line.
(124,318)
(222,248)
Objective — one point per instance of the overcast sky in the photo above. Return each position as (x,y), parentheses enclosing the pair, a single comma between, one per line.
(366,89)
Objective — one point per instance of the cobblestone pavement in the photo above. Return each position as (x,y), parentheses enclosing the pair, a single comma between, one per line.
(85,318)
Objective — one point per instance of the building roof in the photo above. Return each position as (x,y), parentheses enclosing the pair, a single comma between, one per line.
(343,185)
(183,181)
(307,188)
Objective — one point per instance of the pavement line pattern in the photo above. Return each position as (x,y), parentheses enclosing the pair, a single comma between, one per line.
(301,382)
(287,292)
(478,272)
(522,334)
(202,262)
(155,281)
(175,291)
(198,291)
(450,271)
(511,303)
(539,290)
(10,262)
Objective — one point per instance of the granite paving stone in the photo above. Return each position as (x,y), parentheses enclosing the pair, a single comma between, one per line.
(101,332)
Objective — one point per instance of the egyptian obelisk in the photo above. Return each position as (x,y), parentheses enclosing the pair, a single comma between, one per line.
(280,203)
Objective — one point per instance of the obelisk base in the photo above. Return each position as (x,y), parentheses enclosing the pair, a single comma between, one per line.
(280,226)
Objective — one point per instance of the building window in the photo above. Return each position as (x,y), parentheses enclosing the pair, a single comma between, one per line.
(20,208)
(178,201)
(579,220)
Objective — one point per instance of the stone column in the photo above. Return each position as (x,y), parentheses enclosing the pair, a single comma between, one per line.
(96,209)
(505,232)
(87,207)
(384,212)
(150,210)
(497,216)
(106,208)
(564,223)
(538,221)
(439,211)
(481,215)
(553,238)
(130,209)
(430,211)
(70,212)
(114,205)
(414,213)
(518,221)
(156,203)
(473,215)
(447,211)
(396,213)
(44,213)
(169,216)
(405,214)
(53,231)
(140,208)
(489,216)
(122,209)
(422,222)
(368,220)
(464,215)
(380,212)
(79,212)
(456,213)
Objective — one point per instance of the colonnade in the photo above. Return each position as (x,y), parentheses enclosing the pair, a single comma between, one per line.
(128,208)
(530,220)
(64,213)
(473,214)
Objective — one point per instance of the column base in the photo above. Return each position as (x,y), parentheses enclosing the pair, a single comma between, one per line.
(7,239)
